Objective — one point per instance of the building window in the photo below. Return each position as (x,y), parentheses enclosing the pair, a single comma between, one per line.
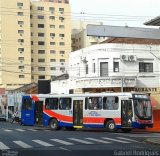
(41,43)
(59,1)
(86,68)
(20,13)
(40,25)
(61,10)
(41,68)
(52,34)
(61,43)
(21,67)
(94,67)
(20,31)
(62,52)
(41,51)
(19,4)
(21,76)
(20,23)
(52,43)
(20,40)
(116,66)
(61,19)
(40,34)
(52,17)
(53,68)
(41,77)
(61,35)
(51,9)
(52,26)
(62,69)
(52,60)
(40,17)
(62,60)
(21,58)
(21,50)
(41,60)
(145,67)
(61,26)
(40,8)
(52,51)
(103,69)
(31,16)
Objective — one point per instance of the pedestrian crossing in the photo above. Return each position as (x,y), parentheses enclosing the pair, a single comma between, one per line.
(65,141)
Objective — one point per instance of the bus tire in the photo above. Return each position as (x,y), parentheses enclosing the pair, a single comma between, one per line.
(126,130)
(110,126)
(53,124)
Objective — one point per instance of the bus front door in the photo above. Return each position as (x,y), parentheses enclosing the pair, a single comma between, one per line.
(38,112)
(126,113)
(78,113)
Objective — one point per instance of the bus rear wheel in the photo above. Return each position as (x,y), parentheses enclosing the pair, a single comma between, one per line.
(54,124)
(110,126)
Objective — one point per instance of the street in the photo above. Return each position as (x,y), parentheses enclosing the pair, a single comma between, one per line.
(28,140)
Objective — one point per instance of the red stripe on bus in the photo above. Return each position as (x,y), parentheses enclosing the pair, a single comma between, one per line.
(35,98)
(58,116)
(99,120)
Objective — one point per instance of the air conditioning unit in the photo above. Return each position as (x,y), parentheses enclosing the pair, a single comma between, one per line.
(20,7)
(124,57)
(132,58)
(20,25)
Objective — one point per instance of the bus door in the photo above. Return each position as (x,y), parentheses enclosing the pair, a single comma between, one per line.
(126,113)
(27,111)
(38,112)
(78,113)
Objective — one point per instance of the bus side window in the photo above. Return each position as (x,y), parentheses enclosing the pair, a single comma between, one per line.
(95,103)
(65,103)
(51,103)
(110,103)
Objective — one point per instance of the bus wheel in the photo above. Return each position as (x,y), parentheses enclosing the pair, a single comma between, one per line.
(126,130)
(110,126)
(54,124)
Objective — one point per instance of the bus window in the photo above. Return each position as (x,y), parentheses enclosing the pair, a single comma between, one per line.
(27,104)
(65,103)
(51,103)
(110,103)
(93,103)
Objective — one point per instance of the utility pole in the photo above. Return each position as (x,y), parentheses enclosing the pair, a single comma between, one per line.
(122,83)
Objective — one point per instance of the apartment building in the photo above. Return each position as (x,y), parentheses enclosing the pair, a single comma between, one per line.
(50,38)
(15,43)
(79,35)
(35,40)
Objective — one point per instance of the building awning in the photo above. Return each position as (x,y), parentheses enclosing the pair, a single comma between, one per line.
(153,22)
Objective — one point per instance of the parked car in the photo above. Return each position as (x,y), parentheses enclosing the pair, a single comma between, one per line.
(3,118)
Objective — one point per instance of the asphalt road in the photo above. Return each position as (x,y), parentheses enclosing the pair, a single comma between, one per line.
(29,140)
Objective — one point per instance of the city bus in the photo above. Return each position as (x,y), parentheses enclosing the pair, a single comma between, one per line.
(111,111)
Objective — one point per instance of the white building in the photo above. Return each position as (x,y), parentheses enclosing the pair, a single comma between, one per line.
(113,67)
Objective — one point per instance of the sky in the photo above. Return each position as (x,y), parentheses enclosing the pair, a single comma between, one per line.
(132,13)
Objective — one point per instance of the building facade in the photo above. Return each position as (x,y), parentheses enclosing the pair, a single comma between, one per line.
(15,43)
(79,35)
(114,67)
(35,40)
(50,38)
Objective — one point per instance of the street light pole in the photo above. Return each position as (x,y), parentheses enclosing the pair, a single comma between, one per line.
(122,83)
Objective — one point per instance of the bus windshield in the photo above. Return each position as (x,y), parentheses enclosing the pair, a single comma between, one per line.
(143,108)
